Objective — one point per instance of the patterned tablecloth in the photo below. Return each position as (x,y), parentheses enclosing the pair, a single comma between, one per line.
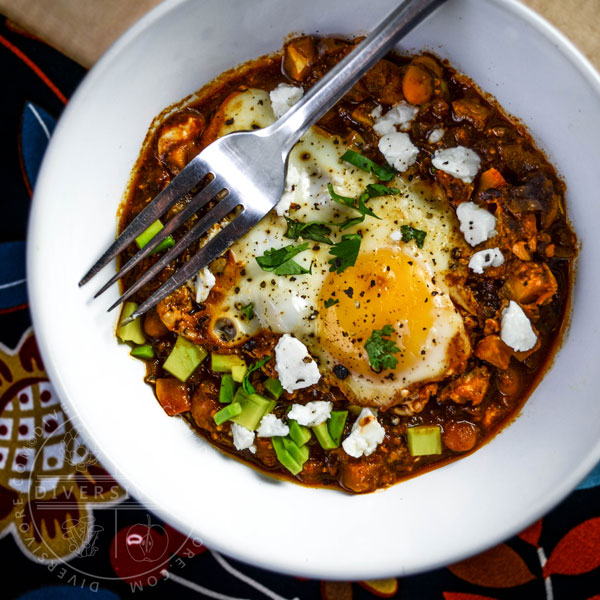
(67,529)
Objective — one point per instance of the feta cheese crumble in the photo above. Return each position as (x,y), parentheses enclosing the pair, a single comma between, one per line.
(402,115)
(398,150)
(283,97)
(243,438)
(459,162)
(515,328)
(366,434)
(477,224)
(396,235)
(204,283)
(492,257)
(311,414)
(294,373)
(436,135)
(270,425)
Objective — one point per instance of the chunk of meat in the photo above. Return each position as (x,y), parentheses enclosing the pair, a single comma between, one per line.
(173,395)
(460,436)
(491,179)
(384,81)
(175,308)
(456,190)
(519,159)
(472,111)
(205,404)
(468,388)
(178,139)
(361,475)
(529,283)
(300,54)
(493,350)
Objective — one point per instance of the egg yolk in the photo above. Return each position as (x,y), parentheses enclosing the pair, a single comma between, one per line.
(386,287)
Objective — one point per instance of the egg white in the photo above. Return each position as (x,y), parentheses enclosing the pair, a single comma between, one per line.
(291,304)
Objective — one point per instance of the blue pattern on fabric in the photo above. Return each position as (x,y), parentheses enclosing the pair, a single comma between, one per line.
(36,128)
(13,289)
(592,480)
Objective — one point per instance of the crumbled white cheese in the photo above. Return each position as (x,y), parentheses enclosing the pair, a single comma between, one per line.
(366,434)
(396,235)
(294,373)
(398,150)
(270,425)
(515,328)
(459,162)
(492,257)
(402,114)
(477,224)
(283,97)
(436,135)
(204,283)
(311,414)
(243,438)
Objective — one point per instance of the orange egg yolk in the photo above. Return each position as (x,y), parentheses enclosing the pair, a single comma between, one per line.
(385,287)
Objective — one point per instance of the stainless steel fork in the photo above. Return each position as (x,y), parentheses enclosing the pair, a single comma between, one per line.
(247,170)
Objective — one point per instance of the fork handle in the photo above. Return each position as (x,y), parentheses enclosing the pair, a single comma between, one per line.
(328,90)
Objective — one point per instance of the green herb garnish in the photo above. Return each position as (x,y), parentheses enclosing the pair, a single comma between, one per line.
(366,164)
(309,231)
(280,262)
(381,351)
(373,190)
(410,233)
(330,302)
(344,252)
(246,385)
(248,311)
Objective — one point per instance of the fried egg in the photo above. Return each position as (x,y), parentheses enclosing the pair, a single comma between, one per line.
(393,282)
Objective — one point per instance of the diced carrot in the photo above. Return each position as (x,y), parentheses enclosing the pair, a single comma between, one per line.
(153,326)
(172,395)
(417,84)
(492,178)
(493,350)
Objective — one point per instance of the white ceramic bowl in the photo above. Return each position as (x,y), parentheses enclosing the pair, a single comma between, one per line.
(423,523)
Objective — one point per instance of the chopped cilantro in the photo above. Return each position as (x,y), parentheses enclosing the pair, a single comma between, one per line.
(248,311)
(309,231)
(246,385)
(362,162)
(410,233)
(280,262)
(372,191)
(381,351)
(330,302)
(344,252)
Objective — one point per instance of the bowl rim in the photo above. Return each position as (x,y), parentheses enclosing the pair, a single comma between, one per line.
(562,44)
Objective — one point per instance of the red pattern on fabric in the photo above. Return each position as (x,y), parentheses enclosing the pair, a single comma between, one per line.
(577,552)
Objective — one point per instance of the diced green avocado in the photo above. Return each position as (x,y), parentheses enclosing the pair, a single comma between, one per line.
(132,332)
(227,389)
(335,425)
(284,457)
(146,352)
(149,233)
(322,434)
(254,408)
(184,358)
(299,433)
(299,453)
(424,440)
(222,363)
(228,413)
(238,372)
(273,386)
